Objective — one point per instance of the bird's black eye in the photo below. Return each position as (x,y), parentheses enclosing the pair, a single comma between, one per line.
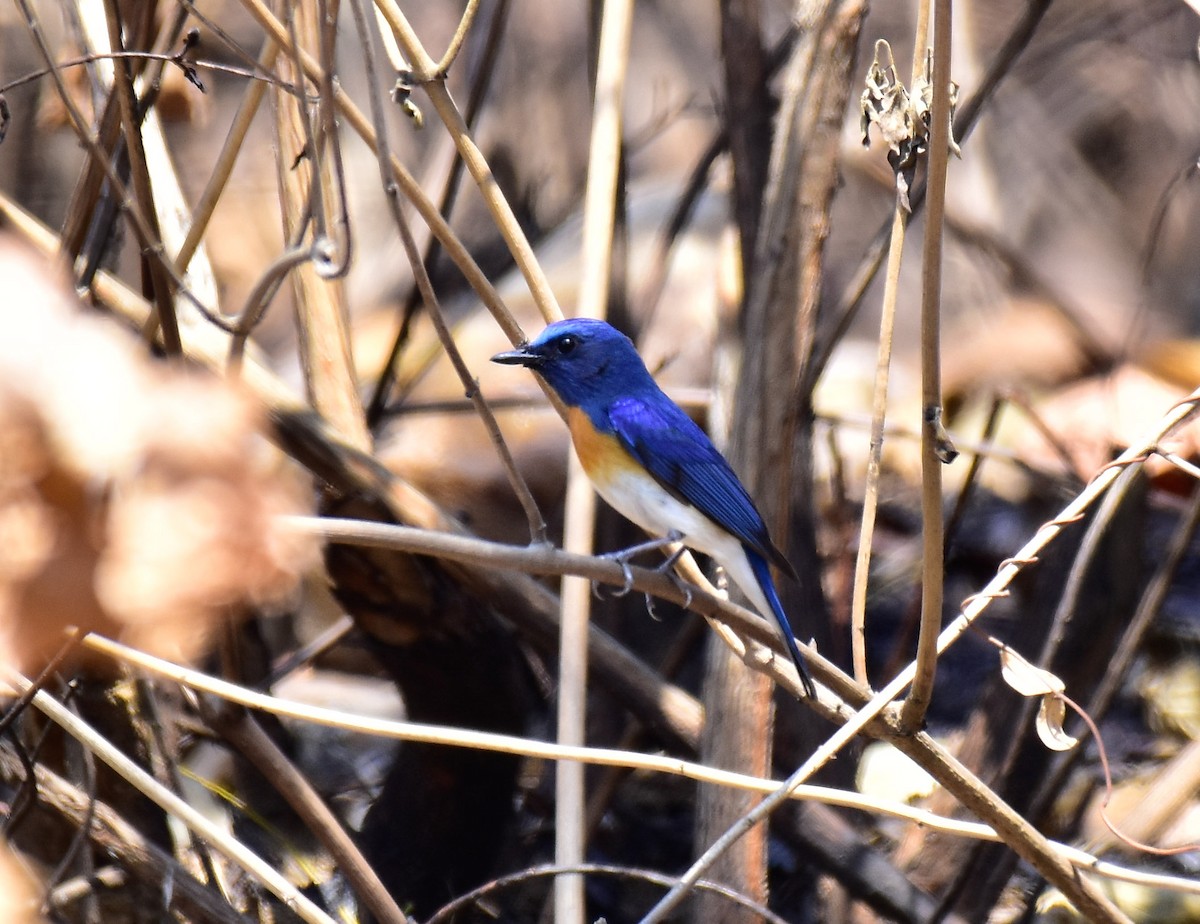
(566,344)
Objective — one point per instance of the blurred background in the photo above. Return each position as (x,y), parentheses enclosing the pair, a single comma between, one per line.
(1069,328)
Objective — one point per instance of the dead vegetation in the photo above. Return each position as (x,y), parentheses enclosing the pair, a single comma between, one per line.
(255,256)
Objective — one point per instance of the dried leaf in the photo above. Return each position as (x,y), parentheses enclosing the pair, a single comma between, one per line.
(1051,715)
(1029,680)
(1025,678)
(901,117)
(135,498)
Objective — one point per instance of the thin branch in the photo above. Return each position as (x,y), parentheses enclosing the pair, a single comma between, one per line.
(1016,832)
(153,250)
(891,288)
(428,211)
(447,912)
(425,73)
(460,36)
(139,858)
(607,757)
(862,565)
(537,523)
(143,226)
(244,733)
(144,783)
(965,118)
(480,84)
(599,220)
(822,755)
(933,437)
(185,65)
(1024,839)
(235,138)
(309,193)
(1127,649)
(304,435)
(544,560)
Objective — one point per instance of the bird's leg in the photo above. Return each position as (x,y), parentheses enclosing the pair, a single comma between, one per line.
(623,557)
(668,568)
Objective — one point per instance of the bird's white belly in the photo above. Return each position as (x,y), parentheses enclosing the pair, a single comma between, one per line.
(643,501)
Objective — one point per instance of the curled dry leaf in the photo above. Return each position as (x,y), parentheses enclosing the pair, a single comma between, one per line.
(1051,715)
(135,499)
(902,116)
(1029,680)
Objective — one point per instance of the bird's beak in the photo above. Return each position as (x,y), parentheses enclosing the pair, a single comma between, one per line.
(521,356)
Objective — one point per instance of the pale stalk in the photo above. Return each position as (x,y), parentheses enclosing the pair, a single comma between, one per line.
(932,526)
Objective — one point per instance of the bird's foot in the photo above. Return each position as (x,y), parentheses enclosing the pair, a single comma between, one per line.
(668,568)
(623,556)
(626,573)
(684,588)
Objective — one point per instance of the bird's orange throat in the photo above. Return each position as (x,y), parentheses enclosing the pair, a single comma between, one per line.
(601,454)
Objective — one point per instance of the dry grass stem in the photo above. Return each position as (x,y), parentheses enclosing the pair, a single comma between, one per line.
(633,760)
(144,783)
(933,437)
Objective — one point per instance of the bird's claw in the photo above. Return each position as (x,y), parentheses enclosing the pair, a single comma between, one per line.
(683,587)
(680,584)
(626,573)
(623,557)
(668,568)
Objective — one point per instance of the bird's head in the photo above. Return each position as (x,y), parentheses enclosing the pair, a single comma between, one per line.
(582,359)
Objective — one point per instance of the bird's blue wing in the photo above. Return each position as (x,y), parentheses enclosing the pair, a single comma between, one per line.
(681,458)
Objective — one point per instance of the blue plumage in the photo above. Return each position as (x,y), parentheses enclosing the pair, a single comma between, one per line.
(681,457)
(679,481)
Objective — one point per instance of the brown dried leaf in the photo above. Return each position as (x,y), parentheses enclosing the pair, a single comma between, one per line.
(1029,680)
(1099,416)
(135,499)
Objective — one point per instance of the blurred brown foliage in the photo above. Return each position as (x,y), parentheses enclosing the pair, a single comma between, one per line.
(136,499)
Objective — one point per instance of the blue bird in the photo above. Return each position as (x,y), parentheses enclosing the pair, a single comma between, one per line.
(651,462)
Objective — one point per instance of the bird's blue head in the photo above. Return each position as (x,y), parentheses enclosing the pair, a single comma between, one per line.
(583,360)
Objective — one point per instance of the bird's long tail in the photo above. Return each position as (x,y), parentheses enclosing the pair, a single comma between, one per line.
(762,573)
